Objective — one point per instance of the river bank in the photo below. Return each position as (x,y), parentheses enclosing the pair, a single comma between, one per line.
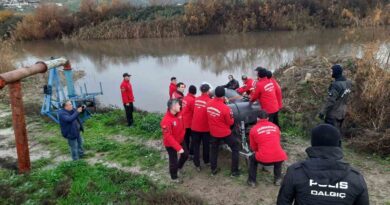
(120,20)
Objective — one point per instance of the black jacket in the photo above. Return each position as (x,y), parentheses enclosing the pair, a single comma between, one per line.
(233,84)
(335,106)
(323,179)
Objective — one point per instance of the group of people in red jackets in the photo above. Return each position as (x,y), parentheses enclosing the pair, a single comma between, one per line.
(190,120)
(193,120)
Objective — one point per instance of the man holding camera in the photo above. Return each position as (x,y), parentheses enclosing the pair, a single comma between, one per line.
(70,128)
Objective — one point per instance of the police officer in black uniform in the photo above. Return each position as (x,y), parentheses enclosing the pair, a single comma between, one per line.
(335,107)
(324,178)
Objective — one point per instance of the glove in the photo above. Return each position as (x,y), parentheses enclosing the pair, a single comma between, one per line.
(321,116)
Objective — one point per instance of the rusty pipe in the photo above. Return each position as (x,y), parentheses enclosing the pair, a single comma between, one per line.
(19,125)
(39,67)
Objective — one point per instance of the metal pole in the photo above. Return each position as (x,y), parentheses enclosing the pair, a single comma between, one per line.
(19,125)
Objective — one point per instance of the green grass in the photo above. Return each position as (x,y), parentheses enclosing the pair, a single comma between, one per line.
(6,122)
(291,125)
(147,125)
(40,163)
(74,183)
(130,155)
(98,138)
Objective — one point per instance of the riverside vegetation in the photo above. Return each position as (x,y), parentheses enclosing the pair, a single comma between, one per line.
(117,19)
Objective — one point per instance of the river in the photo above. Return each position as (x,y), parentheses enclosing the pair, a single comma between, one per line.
(193,60)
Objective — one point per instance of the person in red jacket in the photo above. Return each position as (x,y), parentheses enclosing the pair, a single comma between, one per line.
(200,128)
(220,118)
(179,92)
(264,140)
(172,87)
(278,90)
(188,104)
(265,94)
(173,135)
(279,97)
(127,98)
(247,86)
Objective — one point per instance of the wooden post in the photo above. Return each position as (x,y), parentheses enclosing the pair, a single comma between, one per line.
(19,125)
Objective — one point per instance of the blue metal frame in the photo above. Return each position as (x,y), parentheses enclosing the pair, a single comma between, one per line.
(53,100)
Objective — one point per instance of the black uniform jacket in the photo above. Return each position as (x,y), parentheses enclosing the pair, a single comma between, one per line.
(323,179)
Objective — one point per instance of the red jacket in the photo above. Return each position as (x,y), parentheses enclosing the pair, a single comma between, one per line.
(187,111)
(265,94)
(172,88)
(248,85)
(127,92)
(177,95)
(264,139)
(173,130)
(199,119)
(220,118)
(278,92)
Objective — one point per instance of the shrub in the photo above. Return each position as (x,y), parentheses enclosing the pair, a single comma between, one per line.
(48,21)
(7,56)
(5,15)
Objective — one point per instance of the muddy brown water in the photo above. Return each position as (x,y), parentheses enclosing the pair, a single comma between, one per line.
(193,60)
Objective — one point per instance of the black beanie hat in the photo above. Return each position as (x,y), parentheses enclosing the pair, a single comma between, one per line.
(337,71)
(261,72)
(325,135)
(219,91)
(269,74)
(192,89)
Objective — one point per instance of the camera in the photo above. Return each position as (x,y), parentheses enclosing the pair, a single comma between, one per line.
(83,107)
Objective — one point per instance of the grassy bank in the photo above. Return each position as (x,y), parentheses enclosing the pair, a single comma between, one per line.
(117,168)
(106,134)
(74,183)
(80,183)
(117,19)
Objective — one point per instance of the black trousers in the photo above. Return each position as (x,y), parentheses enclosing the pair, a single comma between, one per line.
(187,140)
(129,113)
(174,163)
(196,139)
(233,143)
(253,168)
(274,118)
(335,122)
